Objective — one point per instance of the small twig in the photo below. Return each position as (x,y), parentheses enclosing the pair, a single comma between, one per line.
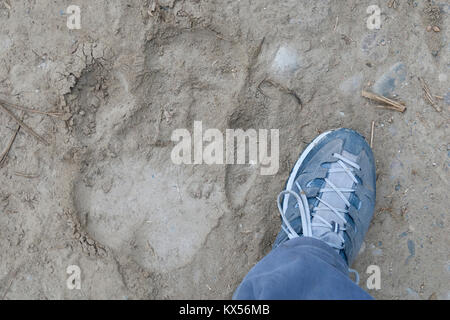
(336,24)
(8,148)
(152,251)
(397,106)
(14,274)
(428,95)
(7,289)
(51,114)
(281,88)
(7,4)
(393,4)
(28,176)
(372,131)
(383,106)
(178,189)
(23,125)
(346,39)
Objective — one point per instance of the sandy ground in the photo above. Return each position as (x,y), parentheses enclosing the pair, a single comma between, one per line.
(104,193)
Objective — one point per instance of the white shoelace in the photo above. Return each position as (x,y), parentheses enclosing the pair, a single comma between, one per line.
(305,214)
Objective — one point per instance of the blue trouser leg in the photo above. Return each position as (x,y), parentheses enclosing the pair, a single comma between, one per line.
(301,268)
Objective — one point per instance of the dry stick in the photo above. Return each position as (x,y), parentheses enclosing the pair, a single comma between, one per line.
(23,125)
(372,96)
(7,4)
(371,133)
(391,104)
(8,148)
(28,176)
(383,106)
(52,114)
(392,4)
(10,283)
(428,94)
(7,289)
(281,88)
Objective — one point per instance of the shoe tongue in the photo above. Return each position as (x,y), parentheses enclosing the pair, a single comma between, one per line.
(340,180)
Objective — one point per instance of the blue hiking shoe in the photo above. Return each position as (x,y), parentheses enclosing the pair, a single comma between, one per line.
(330,193)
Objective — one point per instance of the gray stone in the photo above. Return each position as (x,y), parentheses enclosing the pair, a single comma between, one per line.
(390,80)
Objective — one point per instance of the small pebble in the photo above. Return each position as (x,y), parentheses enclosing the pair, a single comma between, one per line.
(377,252)
(393,78)
(436,29)
(413,294)
(429,28)
(433,296)
(411,248)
